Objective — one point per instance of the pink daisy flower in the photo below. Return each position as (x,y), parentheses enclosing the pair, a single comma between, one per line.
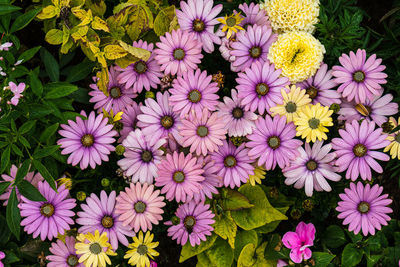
(203,132)
(252,46)
(211,179)
(253,15)
(364,208)
(195,223)
(194,91)
(141,74)
(118,97)
(300,241)
(320,87)
(198,17)
(260,87)
(99,214)
(129,120)
(88,141)
(225,49)
(141,158)
(63,254)
(47,218)
(140,206)
(179,176)
(359,78)
(272,142)
(356,149)
(178,52)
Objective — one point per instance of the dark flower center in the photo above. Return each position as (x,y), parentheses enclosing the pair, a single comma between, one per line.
(230,161)
(397,138)
(142,249)
(360,150)
(359,76)
(147,156)
(107,222)
(311,165)
(198,25)
(262,89)
(231,21)
(274,142)
(115,92)
(72,260)
(139,207)
(202,131)
(312,92)
(363,110)
(313,123)
(291,107)
(189,222)
(255,52)
(179,54)
(95,248)
(178,176)
(167,121)
(87,140)
(237,113)
(363,207)
(140,67)
(47,209)
(194,96)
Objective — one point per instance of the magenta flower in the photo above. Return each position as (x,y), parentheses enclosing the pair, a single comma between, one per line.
(47,218)
(63,254)
(253,15)
(320,87)
(198,17)
(129,120)
(281,263)
(118,97)
(364,208)
(179,176)
(193,91)
(195,223)
(356,149)
(376,110)
(211,179)
(141,74)
(88,141)
(272,142)
(260,86)
(252,46)
(359,78)
(141,158)
(178,52)
(153,263)
(2,256)
(17,90)
(300,241)
(203,132)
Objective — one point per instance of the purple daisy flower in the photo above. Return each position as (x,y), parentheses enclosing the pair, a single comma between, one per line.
(364,208)
(233,163)
(375,110)
(141,74)
(63,254)
(272,142)
(260,86)
(141,158)
(195,223)
(178,52)
(198,17)
(253,15)
(359,78)
(311,168)
(211,179)
(118,97)
(158,119)
(47,218)
(356,149)
(252,46)
(238,121)
(129,120)
(193,91)
(99,214)
(319,87)
(88,141)
(225,49)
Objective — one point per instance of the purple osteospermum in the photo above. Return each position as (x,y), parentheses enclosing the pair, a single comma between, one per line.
(47,218)
(260,87)
(129,120)
(355,149)
(195,223)
(272,142)
(253,15)
(118,97)
(376,110)
(233,163)
(238,121)
(198,17)
(359,78)
(320,87)
(178,52)
(88,141)
(141,74)
(180,177)
(311,168)
(63,254)
(141,158)
(364,208)
(252,46)
(211,179)
(193,91)
(99,214)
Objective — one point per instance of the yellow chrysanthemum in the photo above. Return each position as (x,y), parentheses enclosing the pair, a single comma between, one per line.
(298,54)
(311,122)
(231,24)
(94,249)
(141,249)
(259,174)
(394,138)
(292,103)
(292,15)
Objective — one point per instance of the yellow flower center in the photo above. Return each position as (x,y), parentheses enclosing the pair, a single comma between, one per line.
(202,131)
(274,142)
(230,22)
(359,76)
(262,89)
(72,260)
(360,150)
(179,54)
(198,25)
(142,249)
(311,165)
(147,156)
(189,222)
(313,123)
(291,107)
(107,222)
(194,96)
(87,140)
(95,248)
(47,209)
(255,52)
(312,92)
(363,207)
(230,161)
(140,67)
(139,207)
(167,121)
(178,177)
(237,113)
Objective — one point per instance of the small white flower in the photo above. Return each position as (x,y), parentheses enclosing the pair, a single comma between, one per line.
(5,46)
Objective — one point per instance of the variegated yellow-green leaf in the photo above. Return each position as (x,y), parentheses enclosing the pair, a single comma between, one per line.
(242,239)
(103,79)
(101,59)
(79,32)
(67,41)
(140,53)
(226,227)
(188,251)
(86,50)
(54,37)
(99,24)
(119,19)
(252,257)
(174,25)
(121,6)
(136,23)
(48,12)
(98,7)
(125,61)
(114,52)
(163,20)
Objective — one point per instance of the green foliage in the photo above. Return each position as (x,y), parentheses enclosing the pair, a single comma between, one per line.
(188,251)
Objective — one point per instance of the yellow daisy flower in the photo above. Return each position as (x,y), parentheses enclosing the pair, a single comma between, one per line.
(231,24)
(94,249)
(141,249)
(259,174)
(311,122)
(292,103)
(394,146)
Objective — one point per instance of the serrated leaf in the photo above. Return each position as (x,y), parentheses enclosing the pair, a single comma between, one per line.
(137,52)
(163,20)
(24,19)
(99,24)
(54,37)
(29,191)
(45,173)
(226,227)
(13,216)
(242,239)
(48,12)
(233,200)
(188,251)
(60,89)
(102,82)
(114,51)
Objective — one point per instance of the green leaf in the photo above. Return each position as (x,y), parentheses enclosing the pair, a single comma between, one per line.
(351,255)
(225,227)
(242,239)
(5,158)
(45,173)
(322,259)
(5,233)
(24,19)
(220,254)
(28,54)
(24,142)
(59,89)
(275,250)
(26,126)
(13,216)
(22,171)
(233,200)
(246,257)
(372,260)
(29,191)
(49,132)
(50,64)
(268,227)
(36,84)
(80,71)
(334,237)
(7,9)
(188,251)
(4,186)
(163,20)
(16,150)
(44,152)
